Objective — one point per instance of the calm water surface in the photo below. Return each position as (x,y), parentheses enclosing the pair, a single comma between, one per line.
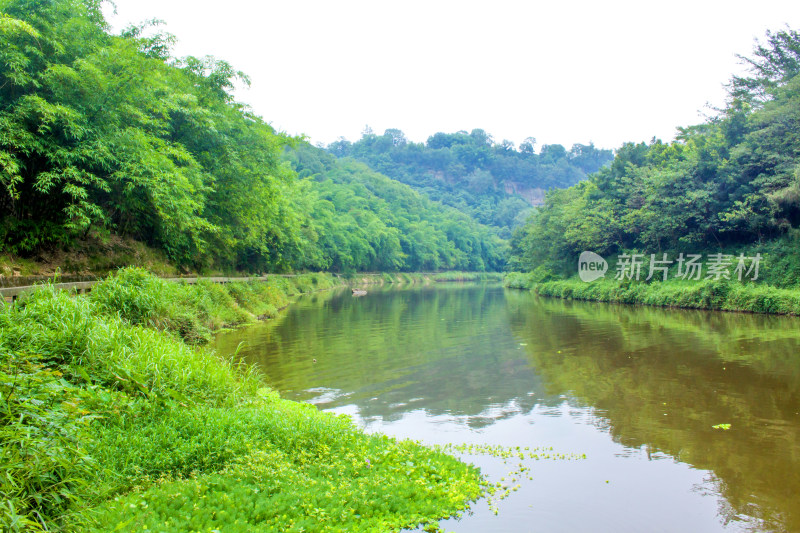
(635,389)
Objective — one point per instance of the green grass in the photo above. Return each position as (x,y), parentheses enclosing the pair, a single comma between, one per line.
(385,278)
(194,311)
(468,276)
(110,421)
(417,277)
(705,294)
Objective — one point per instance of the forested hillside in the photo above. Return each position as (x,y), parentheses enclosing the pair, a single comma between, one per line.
(495,183)
(110,135)
(730,183)
(362,220)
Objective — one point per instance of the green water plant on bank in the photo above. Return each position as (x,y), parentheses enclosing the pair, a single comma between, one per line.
(705,294)
(107,423)
(282,465)
(513,457)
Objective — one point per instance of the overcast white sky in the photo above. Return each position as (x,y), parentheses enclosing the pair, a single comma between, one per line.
(563,72)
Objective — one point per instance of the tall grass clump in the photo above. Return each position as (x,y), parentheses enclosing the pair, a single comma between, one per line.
(71,336)
(194,311)
(109,421)
(65,370)
(43,458)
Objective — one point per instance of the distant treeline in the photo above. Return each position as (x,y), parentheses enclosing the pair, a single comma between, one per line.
(106,134)
(731,183)
(474,174)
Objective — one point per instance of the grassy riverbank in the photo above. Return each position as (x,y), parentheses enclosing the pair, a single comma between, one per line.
(400,278)
(195,311)
(705,294)
(110,420)
(468,276)
(384,278)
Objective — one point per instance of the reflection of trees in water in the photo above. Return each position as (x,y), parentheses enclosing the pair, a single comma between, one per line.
(662,378)
(457,351)
(448,347)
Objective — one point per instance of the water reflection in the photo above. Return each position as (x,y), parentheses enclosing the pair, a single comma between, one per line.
(664,378)
(636,389)
(444,347)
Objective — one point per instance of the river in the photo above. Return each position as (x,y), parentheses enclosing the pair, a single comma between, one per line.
(636,390)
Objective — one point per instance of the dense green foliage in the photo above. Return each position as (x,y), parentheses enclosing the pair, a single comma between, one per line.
(98,131)
(732,183)
(103,134)
(472,173)
(362,220)
(111,425)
